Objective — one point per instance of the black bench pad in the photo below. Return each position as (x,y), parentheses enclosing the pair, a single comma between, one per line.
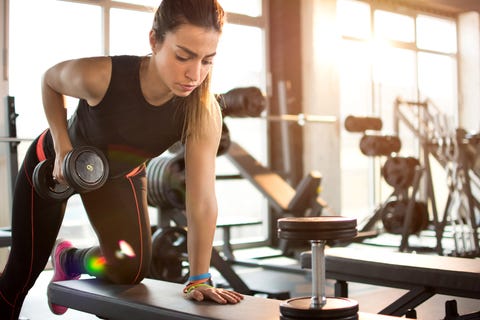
(439,274)
(154,299)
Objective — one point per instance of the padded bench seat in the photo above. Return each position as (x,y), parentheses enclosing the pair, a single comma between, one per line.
(423,275)
(154,299)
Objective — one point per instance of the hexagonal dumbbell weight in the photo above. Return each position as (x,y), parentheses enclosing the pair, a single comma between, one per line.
(85,168)
(318,230)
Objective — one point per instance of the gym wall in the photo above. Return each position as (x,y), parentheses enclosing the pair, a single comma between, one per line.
(469,60)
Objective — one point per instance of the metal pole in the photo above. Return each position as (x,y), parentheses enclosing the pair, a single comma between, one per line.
(318,299)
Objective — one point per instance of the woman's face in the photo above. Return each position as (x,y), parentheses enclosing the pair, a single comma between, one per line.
(184,59)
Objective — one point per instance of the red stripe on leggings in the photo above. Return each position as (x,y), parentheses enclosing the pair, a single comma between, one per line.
(129,177)
(40,152)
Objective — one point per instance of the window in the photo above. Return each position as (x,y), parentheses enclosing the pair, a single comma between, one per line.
(72,29)
(410,55)
(394,26)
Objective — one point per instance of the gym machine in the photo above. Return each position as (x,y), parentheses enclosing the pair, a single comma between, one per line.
(401,213)
(457,152)
(454,149)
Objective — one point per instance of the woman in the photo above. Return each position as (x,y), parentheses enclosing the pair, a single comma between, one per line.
(132,108)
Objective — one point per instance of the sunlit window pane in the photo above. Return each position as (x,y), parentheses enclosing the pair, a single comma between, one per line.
(354,18)
(234,64)
(437,75)
(147,3)
(251,8)
(394,26)
(60,36)
(131,37)
(436,34)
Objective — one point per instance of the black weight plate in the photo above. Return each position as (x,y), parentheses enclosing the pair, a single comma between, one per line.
(85,168)
(399,172)
(169,255)
(152,174)
(329,223)
(166,181)
(45,186)
(394,213)
(337,234)
(175,190)
(335,308)
(379,145)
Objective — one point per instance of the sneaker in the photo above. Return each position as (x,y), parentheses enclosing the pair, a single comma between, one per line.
(58,273)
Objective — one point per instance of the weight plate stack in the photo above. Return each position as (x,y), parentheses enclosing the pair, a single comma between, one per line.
(166,181)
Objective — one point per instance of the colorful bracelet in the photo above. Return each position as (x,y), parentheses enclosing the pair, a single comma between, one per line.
(189,288)
(202,276)
(195,284)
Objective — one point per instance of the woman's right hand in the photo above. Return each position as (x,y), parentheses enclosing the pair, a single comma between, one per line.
(58,168)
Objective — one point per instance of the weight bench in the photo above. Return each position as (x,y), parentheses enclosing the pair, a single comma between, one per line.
(156,300)
(282,197)
(226,225)
(423,275)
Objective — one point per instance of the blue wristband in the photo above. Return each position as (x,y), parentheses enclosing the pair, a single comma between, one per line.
(200,277)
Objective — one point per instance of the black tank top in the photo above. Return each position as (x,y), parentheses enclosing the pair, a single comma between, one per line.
(124,125)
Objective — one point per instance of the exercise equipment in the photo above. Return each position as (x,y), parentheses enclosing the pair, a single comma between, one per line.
(422,275)
(166,180)
(454,149)
(5,237)
(379,145)
(242,102)
(394,213)
(318,230)
(155,299)
(170,258)
(85,168)
(399,172)
(362,124)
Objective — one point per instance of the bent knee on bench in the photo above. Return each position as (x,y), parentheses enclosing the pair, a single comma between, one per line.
(126,271)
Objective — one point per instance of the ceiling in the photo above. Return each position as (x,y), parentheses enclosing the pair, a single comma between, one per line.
(454,6)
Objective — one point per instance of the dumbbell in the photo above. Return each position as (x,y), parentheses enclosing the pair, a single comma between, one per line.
(318,230)
(85,169)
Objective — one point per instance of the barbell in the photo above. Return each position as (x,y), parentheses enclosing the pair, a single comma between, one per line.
(14,139)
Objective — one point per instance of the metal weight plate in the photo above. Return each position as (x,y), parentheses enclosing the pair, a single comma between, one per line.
(317,228)
(85,168)
(44,184)
(169,255)
(362,124)
(335,308)
(379,145)
(394,212)
(399,172)
(166,181)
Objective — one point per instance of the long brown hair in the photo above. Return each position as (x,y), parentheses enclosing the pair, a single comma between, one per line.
(200,105)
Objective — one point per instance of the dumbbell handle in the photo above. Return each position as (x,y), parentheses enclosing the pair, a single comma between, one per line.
(318,299)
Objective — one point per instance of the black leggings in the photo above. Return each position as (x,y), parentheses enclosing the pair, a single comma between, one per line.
(118,213)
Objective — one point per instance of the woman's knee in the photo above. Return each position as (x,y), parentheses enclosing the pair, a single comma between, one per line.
(128,271)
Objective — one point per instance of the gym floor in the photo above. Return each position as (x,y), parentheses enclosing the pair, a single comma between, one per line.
(370,298)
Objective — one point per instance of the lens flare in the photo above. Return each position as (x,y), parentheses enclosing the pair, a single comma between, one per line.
(125,250)
(96,265)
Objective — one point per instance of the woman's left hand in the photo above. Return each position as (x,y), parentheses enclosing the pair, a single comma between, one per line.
(218,295)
